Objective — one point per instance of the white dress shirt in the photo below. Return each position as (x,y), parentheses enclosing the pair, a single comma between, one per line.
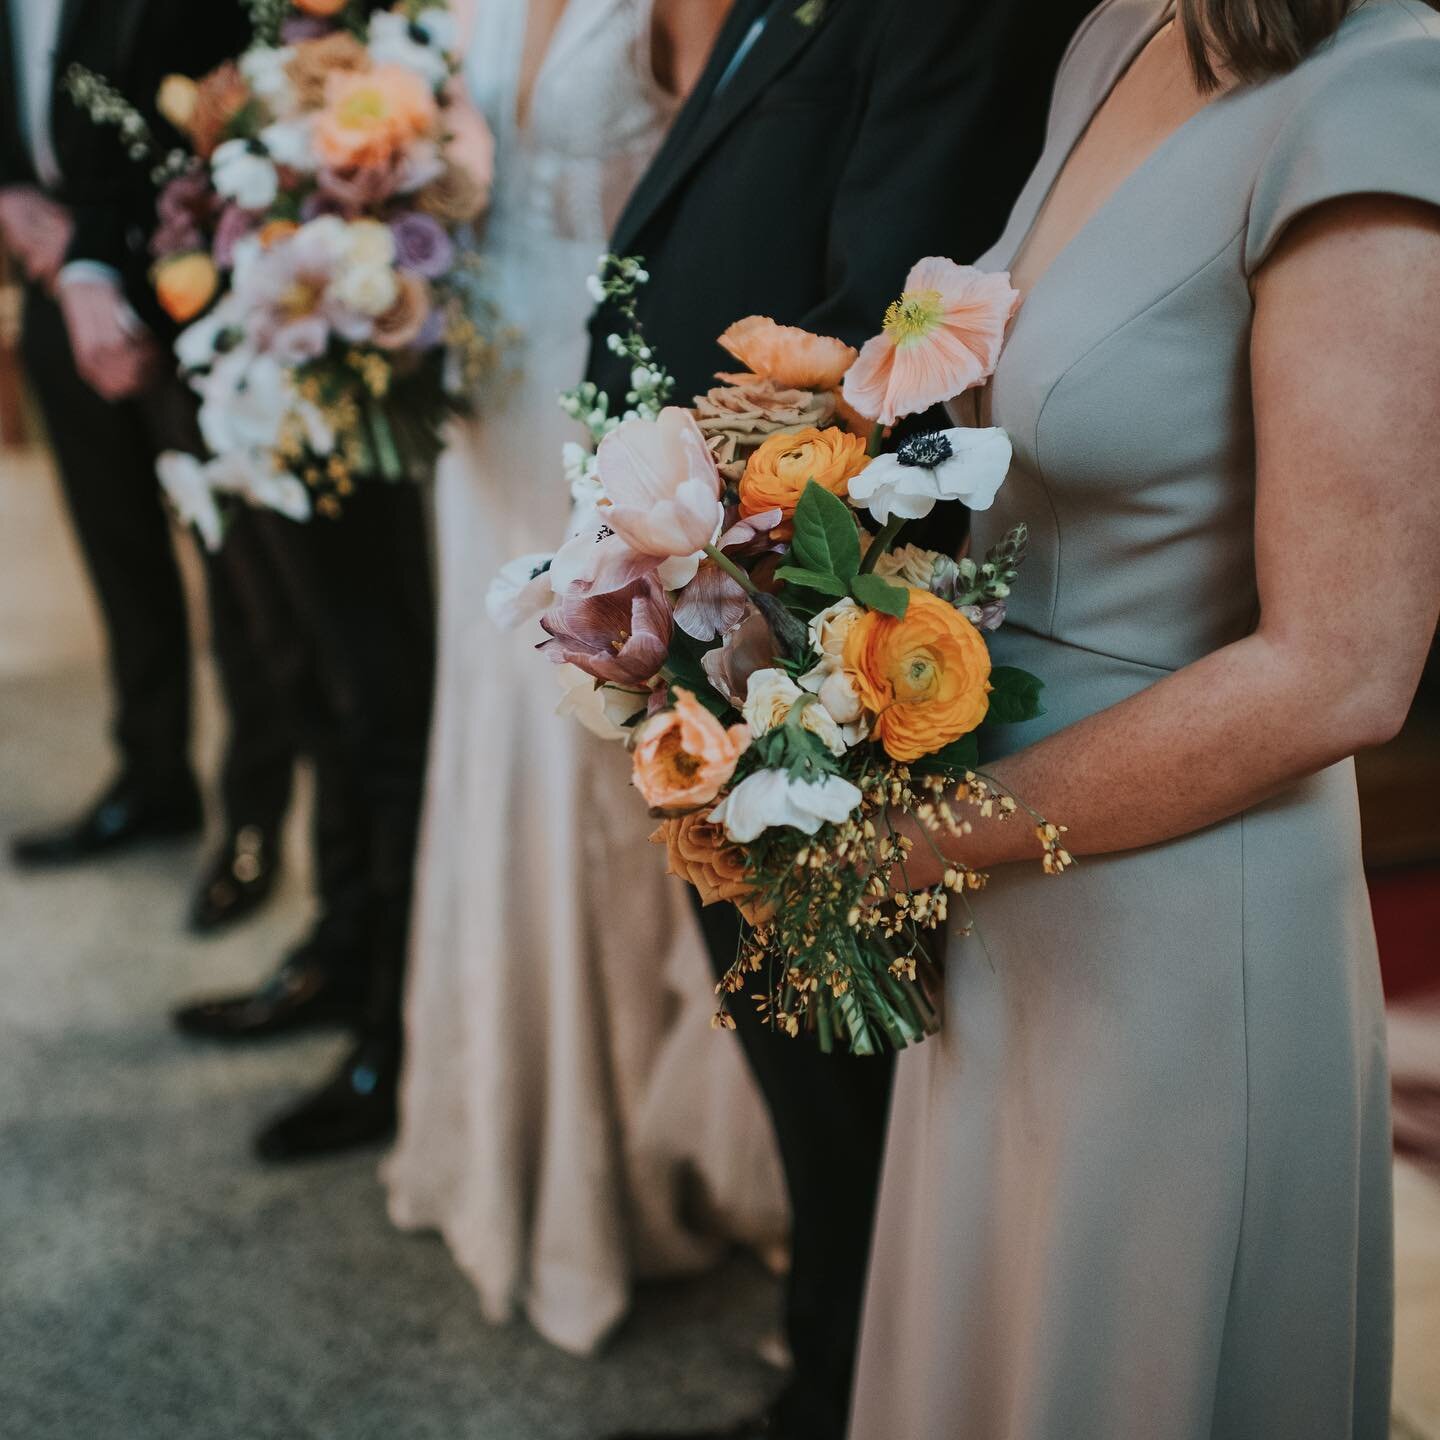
(35,25)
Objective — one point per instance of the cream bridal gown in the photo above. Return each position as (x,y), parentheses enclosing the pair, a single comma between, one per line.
(569,1122)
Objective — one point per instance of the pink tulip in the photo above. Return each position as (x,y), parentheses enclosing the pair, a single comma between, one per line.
(663,486)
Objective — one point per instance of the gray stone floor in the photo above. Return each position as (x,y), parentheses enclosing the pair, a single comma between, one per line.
(156,1283)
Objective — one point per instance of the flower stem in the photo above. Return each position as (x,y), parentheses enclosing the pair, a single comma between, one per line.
(883,543)
(877,441)
(714,553)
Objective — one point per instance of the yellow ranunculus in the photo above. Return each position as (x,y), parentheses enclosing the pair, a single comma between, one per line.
(926,678)
(780,469)
(185,285)
(177,99)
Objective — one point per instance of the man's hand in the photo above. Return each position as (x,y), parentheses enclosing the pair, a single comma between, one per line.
(111,357)
(37,230)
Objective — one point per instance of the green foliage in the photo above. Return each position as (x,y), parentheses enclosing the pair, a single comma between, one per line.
(956,758)
(827,540)
(812,580)
(876,593)
(1016,696)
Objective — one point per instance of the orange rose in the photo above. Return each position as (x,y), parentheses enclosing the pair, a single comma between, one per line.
(314,61)
(218,99)
(780,469)
(185,285)
(370,116)
(321,9)
(926,678)
(793,358)
(684,757)
(702,855)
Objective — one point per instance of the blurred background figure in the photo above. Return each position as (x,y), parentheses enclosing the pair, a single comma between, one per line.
(96,351)
(568,1122)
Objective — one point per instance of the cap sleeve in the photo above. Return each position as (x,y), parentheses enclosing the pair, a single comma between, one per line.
(1371,125)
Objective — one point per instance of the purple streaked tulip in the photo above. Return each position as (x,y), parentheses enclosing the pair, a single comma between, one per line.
(623,637)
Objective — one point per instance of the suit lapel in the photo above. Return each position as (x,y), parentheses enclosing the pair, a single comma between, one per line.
(708,117)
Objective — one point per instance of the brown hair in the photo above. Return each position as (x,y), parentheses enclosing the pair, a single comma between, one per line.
(1255,39)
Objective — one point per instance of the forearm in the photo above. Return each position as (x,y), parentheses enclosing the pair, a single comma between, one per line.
(1197,748)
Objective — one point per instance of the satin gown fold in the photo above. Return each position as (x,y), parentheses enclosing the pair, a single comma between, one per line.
(569,1121)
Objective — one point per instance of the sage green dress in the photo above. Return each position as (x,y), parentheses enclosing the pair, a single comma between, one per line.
(1139,1189)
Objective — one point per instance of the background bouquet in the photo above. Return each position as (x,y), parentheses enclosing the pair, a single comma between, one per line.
(311,239)
(732,604)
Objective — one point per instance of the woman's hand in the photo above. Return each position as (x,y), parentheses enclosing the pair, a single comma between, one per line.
(1347,535)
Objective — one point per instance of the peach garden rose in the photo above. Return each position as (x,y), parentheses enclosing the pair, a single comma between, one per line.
(684,757)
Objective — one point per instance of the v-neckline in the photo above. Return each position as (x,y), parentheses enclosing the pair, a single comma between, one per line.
(1133,176)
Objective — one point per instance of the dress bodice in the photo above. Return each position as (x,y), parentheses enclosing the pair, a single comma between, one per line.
(1125,385)
(596,117)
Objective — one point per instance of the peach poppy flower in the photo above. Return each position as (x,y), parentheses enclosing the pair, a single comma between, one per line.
(943,336)
(684,757)
(793,358)
(369,117)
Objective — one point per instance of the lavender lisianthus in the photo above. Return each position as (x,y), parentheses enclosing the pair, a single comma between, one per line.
(422,245)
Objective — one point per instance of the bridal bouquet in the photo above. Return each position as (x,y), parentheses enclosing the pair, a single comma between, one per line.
(312,241)
(733,605)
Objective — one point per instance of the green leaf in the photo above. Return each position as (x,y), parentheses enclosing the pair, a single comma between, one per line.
(827,539)
(877,593)
(812,580)
(955,759)
(1016,696)
(683,668)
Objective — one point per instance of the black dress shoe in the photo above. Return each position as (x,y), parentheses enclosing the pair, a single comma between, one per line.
(759,1427)
(238,880)
(357,1108)
(129,813)
(310,990)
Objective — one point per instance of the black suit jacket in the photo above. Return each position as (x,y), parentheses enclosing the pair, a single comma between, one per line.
(841,151)
(134,44)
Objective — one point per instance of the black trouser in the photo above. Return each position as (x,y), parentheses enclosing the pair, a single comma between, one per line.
(829,1113)
(106,457)
(357,591)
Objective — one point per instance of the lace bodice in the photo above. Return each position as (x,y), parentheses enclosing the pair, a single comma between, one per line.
(596,117)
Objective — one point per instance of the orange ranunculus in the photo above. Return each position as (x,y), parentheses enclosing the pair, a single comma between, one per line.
(369,117)
(185,285)
(793,358)
(702,855)
(273,232)
(321,9)
(926,678)
(684,757)
(780,469)
(176,101)
(314,61)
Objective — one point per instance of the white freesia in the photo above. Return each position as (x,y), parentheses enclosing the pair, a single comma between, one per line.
(965,465)
(582,474)
(369,243)
(198,345)
(771,800)
(520,593)
(603,710)
(279,491)
(772,695)
(831,627)
(438,25)
(245,175)
(368,290)
(291,144)
(265,70)
(186,484)
(393,41)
